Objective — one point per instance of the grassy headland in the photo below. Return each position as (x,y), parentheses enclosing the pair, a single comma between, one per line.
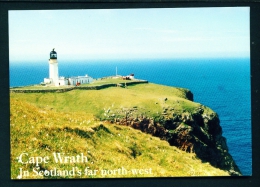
(78,122)
(150,98)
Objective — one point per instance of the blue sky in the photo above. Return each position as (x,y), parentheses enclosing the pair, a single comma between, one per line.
(129,33)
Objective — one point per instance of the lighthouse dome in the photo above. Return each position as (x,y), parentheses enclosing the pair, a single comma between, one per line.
(53,54)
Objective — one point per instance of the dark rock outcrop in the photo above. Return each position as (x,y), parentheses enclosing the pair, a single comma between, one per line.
(199,132)
(189,95)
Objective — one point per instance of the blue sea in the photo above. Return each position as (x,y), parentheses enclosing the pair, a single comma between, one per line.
(221,84)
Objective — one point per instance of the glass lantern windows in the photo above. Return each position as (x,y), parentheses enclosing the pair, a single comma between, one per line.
(53,54)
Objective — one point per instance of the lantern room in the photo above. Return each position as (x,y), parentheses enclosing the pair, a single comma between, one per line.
(53,54)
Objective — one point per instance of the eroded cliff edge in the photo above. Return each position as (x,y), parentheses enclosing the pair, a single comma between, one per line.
(196,130)
(162,111)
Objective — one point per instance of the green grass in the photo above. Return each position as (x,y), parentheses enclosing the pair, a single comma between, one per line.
(43,123)
(150,98)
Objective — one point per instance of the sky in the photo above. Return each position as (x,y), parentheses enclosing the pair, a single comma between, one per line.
(221,32)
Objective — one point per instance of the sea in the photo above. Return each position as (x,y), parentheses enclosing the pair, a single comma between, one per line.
(223,84)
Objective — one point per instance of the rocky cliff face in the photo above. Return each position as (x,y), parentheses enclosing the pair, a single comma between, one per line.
(198,131)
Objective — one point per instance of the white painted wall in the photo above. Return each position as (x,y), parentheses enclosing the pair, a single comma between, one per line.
(54,72)
(55,80)
(81,79)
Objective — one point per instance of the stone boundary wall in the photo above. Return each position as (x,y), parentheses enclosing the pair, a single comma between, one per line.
(73,88)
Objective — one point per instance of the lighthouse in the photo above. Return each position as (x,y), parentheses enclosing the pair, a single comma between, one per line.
(55,80)
(53,68)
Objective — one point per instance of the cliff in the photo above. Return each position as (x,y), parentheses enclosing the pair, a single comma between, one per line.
(165,112)
(43,132)
(194,130)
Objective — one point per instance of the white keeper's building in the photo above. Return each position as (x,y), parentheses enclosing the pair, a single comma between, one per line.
(55,80)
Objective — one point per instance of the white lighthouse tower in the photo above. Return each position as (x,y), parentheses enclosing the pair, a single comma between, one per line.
(55,80)
(53,68)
